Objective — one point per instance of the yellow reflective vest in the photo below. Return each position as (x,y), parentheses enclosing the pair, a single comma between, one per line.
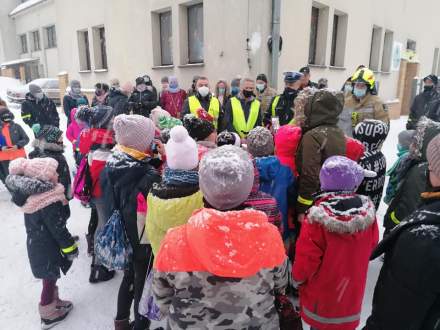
(274,107)
(214,107)
(239,121)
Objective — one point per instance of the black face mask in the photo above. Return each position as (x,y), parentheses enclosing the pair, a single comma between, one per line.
(6,118)
(290,91)
(247,94)
(428,88)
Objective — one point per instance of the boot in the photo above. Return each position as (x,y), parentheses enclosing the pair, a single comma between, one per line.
(100,274)
(62,303)
(90,245)
(51,315)
(122,324)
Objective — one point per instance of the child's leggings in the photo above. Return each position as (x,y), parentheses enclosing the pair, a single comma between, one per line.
(48,291)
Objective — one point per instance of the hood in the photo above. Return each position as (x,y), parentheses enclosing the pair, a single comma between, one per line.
(372,133)
(426,130)
(287,140)
(343,213)
(224,244)
(323,108)
(268,167)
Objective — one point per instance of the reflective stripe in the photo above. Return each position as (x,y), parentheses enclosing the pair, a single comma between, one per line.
(304,201)
(239,121)
(394,218)
(274,105)
(26,116)
(69,249)
(331,320)
(214,107)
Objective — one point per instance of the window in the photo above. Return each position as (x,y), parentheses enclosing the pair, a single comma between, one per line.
(23,44)
(36,40)
(195,33)
(99,47)
(435,61)
(339,38)
(376,42)
(51,37)
(411,45)
(84,50)
(318,33)
(387,51)
(165,24)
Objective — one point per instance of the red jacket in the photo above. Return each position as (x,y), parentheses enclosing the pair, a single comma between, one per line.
(173,102)
(332,255)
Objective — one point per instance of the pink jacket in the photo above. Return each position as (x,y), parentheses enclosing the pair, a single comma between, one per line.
(74,130)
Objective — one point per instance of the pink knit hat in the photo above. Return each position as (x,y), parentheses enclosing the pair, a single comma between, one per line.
(134,131)
(44,169)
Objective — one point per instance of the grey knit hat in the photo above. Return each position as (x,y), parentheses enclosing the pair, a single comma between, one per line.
(35,89)
(226,176)
(406,137)
(260,142)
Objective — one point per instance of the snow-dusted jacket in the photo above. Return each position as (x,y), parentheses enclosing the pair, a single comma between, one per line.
(212,273)
(332,254)
(407,293)
(43,112)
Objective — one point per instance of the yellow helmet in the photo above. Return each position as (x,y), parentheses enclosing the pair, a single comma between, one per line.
(366,76)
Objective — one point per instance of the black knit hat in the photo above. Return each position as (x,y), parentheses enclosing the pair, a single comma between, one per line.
(199,129)
(433,78)
(263,77)
(51,134)
(304,70)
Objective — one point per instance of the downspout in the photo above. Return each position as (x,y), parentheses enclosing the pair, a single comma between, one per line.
(276,13)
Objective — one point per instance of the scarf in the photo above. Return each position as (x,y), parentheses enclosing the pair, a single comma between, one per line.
(136,154)
(21,187)
(75,95)
(38,202)
(180,177)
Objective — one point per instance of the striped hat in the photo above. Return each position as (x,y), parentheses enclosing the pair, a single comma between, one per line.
(433,155)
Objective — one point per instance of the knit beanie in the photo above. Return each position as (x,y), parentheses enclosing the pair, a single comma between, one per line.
(44,169)
(372,133)
(134,131)
(226,176)
(433,155)
(338,173)
(181,150)
(101,116)
(157,113)
(75,83)
(199,128)
(226,137)
(260,142)
(405,138)
(51,134)
(35,89)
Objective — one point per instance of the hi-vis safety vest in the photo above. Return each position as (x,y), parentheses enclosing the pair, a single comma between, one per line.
(214,107)
(239,121)
(274,107)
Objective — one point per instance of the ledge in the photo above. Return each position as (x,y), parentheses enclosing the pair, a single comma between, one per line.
(192,65)
(84,71)
(340,68)
(100,70)
(317,66)
(162,67)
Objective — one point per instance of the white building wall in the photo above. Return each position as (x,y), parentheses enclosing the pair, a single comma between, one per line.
(8,44)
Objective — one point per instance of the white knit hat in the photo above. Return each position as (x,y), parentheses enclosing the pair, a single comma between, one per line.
(181,150)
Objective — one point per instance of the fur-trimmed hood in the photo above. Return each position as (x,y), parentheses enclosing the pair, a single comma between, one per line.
(344,213)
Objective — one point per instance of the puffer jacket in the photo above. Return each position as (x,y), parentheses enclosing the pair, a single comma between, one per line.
(321,139)
(340,229)
(407,293)
(219,276)
(43,112)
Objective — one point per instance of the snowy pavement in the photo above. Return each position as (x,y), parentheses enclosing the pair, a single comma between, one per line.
(95,305)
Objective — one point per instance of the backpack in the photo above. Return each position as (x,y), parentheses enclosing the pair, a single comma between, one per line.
(82,184)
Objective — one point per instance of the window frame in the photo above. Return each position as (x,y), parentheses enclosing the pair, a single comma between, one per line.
(83,36)
(23,45)
(50,37)
(34,43)
(195,58)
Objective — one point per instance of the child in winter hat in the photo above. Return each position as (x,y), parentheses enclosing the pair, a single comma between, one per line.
(202,130)
(157,114)
(341,225)
(134,131)
(226,137)
(51,248)
(181,150)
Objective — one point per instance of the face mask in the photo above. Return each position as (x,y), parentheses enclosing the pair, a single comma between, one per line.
(141,88)
(76,90)
(203,91)
(6,118)
(39,96)
(247,93)
(221,91)
(291,91)
(173,85)
(235,90)
(348,88)
(260,87)
(428,88)
(359,92)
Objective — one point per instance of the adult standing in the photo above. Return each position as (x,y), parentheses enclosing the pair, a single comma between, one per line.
(164,82)
(419,107)
(39,109)
(143,99)
(264,93)
(101,94)
(306,82)
(222,92)
(192,90)
(118,97)
(73,99)
(173,98)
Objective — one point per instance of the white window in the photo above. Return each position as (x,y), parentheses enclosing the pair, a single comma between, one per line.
(84,50)
(51,37)
(35,40)
(318,33)
(166,38)
(376,43)
(99,48)
(23,44)
(339,38)
(387,51)
(195,33)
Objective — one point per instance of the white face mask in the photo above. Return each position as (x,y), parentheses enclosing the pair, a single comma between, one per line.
(260,87)
(203,91)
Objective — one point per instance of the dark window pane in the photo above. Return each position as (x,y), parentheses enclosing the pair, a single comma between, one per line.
(103,48)
(86,43)
(334,40)
(195,33)
(166,35)
(313,35)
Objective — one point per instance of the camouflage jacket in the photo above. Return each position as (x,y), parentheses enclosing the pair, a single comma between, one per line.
(200,300)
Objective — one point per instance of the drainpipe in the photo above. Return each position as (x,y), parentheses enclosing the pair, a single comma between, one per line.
(276,13)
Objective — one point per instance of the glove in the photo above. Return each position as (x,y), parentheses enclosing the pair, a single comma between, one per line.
(354,118)
(70,252)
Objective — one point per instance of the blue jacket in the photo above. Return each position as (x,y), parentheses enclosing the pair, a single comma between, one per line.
(2,141)
(278,181)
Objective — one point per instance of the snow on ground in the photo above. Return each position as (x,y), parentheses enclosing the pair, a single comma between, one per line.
(95,305)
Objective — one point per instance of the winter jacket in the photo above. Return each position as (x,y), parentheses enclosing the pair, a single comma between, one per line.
(433,109)
(42,112)
(204,102)
(214,279)
(278,181)
(100,100)
(74,130)
(169,207)
(393,173)
(407,293)
(228,118)
(372,134)
(283,108)
(266,99)
(173,102)
(118,101)
(122,179)
(69,103)
(142,103)
(13,135)
(331,263)
(287,141)
(420,107)
(321,139)
(355,112)
(97,144)
(43,149)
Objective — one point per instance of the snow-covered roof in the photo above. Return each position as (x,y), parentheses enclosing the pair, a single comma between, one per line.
(25,5)
(19,61)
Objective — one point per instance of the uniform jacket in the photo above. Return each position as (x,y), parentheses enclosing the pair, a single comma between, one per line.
(42,112)
(284,108)
(332,254)
(214,279)
(17,137)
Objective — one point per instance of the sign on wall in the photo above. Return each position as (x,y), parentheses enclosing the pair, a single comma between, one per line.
(396,56)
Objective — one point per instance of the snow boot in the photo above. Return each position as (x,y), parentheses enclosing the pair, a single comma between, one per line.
(122,324)
(100,274)
(90,245)
(51,315)
(66,304)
